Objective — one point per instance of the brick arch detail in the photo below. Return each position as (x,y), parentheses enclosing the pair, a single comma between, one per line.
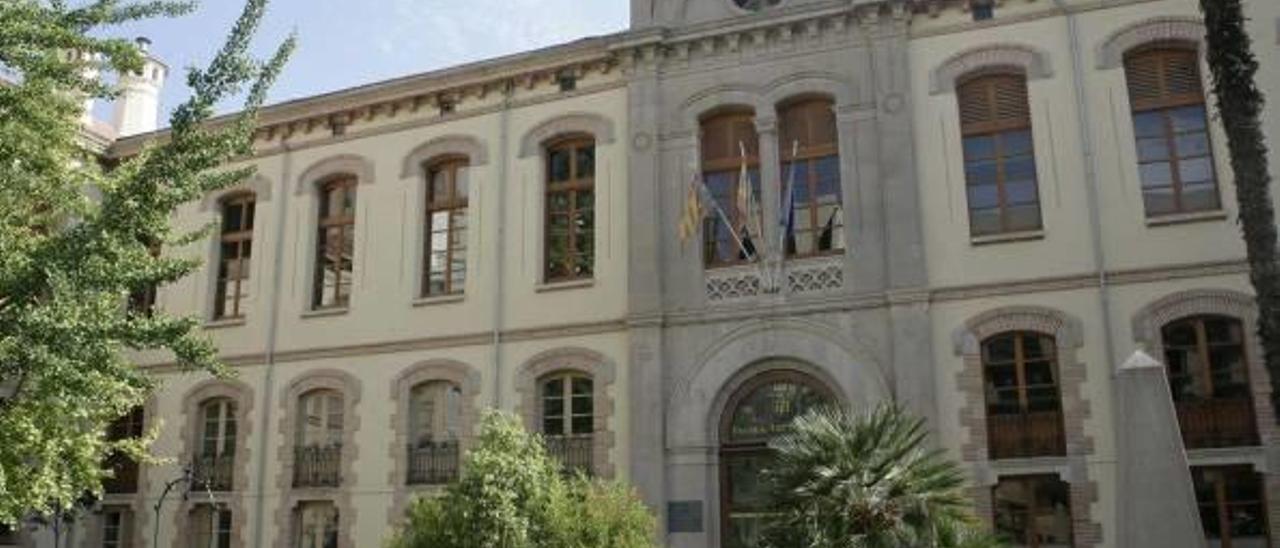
(1033,62)
(341,497)
(188,440)
(1110,53)
(1067,332)
(457,373)
(603,373)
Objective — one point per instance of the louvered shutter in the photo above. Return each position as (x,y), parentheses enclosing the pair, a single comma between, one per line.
(1159,78)
(995,102)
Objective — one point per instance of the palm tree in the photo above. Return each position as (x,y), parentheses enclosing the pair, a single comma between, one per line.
(1233,66)
(867,480)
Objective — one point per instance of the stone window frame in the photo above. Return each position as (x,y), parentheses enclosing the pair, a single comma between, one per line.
(1035,63)
(309,185)
(464,376)
(1147,323)
(1068,334)
(600,127)
(189,442)
(341,497)
(602,372)
(446,145)
(1186,29)
(211,205)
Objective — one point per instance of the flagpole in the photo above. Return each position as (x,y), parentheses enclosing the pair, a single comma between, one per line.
(788,201)
(706,195)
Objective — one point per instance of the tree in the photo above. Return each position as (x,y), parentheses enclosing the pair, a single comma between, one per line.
(867,480)
(1233,66)
(74,237)
(513,495)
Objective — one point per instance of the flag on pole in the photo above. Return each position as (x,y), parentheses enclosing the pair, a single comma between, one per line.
(693,212)
(748,208)
(787,220)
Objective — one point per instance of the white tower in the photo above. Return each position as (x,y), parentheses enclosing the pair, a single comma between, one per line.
(138,106)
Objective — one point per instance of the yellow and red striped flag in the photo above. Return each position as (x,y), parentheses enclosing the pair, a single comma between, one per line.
(692,212)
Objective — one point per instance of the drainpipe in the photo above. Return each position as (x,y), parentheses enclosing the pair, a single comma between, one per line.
(504,122)
(273,328)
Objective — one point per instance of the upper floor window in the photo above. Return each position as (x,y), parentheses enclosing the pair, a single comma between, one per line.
(1024,408)
(1033,511)
(142,300)
(808,130)
(729,144)
(1209,378)
(1175,159)
(210,526)
(445,254)
(999,156)
(435,421)
(1233,507)
(124,469)
(234,251)
(214,464)
(318,446)
(568,418)
(335,243)
(570,210)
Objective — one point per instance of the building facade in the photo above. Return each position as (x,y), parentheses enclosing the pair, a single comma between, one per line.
(976,210)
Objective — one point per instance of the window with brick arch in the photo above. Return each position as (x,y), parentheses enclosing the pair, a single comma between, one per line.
(434,424)
(567,414)
(235,248)
(1208,372)
(811,169)
(214,464)
(1233,506)
(728,143)
(1175,156)
(570,210)
(999,154)
(445,271)
(335,243)
(1024,406)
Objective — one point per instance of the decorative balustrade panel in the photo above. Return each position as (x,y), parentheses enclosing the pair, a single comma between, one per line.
(213,472)
(731,284)
(1026,435)
(1217,423)
(433,463)
(574,452)
(317,466)
(815,275)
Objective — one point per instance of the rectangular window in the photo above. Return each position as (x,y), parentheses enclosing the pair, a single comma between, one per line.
(445,250)
(1175,157)
(816,225)
(729,143)
(570,210)
(1233,509)
(335,244)
(1033,511)
(235,247)
(316,525)
(142,300)
(123,468)
(117,527)
(999,155)
(210,527)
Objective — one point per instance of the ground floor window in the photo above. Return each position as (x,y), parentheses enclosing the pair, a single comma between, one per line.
(210,527)
(1233,509)
(761,409)
(317,525)
(1033,511)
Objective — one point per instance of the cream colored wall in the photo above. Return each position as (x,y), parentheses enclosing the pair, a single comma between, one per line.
(1066,248)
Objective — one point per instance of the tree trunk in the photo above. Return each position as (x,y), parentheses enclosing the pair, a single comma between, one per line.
(1240,103)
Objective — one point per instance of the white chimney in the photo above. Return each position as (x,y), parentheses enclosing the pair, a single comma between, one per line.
(138,105)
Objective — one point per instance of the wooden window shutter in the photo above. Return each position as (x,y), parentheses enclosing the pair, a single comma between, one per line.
(1163,77)
(995,102)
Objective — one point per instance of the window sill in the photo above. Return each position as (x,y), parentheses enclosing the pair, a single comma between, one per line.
(324,312)
(1007,237)
(225,323)
(1185,218)
(439,299)
(565,285)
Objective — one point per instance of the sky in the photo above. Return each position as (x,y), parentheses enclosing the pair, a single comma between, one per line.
(346,43)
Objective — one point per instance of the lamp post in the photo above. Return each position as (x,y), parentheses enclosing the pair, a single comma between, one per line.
(186,479)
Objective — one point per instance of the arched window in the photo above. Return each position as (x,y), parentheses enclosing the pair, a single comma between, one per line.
(335,243)
(1033,511)
(760,410)
(1209,378)
(445,252)
(234,250)
(1175,158)
(999,156)
(318,446)
(215,463)
(811,168)
(730,145)
(435,422)
(570,210)
(1024,403)
(567,410)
